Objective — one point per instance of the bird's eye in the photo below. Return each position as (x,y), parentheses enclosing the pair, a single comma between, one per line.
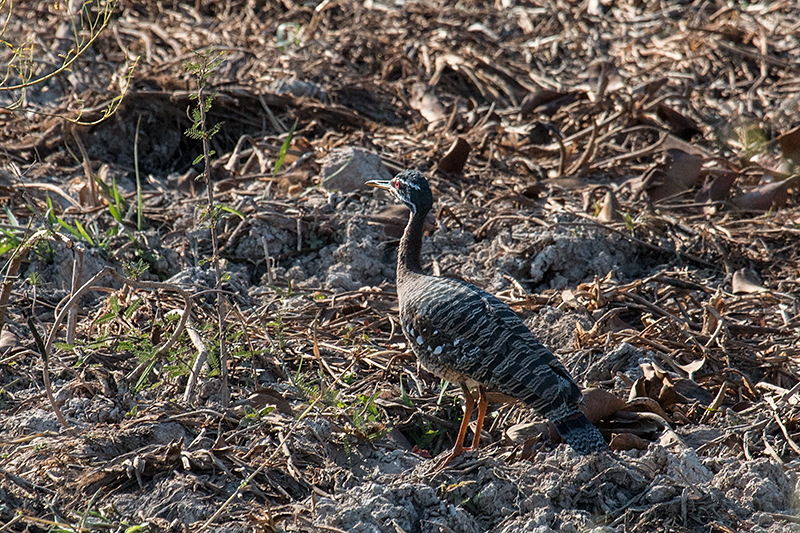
(397,185)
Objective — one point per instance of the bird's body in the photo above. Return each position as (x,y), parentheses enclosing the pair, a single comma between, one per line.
(467,336)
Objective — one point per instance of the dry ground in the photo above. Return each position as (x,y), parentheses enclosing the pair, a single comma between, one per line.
(621,173)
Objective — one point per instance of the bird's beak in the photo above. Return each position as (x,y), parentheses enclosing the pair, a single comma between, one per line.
(381,184)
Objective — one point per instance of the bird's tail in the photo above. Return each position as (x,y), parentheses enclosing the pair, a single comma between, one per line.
(580,434)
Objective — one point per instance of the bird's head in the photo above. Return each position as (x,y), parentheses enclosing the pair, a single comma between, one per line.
(411,188)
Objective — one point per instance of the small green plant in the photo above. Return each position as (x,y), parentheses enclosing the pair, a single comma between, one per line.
(79,232)
(141,347)
(10,239)
(314,242)
(254,416)
(114,308)
(629,223)
(367,420)
(34,279)
(209,217)
(91,235)
(87,26)
(753,140)
(202,69)
(284,149)
(116,203)
(278,331)
(135,270)
(425,432)
(177,368)
(303,383)
(206,63)
(404,397)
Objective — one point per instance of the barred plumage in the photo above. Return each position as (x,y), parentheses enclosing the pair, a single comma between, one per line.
(468,336)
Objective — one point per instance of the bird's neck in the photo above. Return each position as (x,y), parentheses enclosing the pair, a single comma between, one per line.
(408,255)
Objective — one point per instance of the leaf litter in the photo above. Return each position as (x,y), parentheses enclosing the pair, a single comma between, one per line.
(622,174)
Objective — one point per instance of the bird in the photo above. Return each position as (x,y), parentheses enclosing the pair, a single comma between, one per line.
(467,336)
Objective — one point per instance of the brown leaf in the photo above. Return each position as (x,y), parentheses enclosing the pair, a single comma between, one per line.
(269,396)
(638,389)
(8,341)
(691,391)
(710,322)
(499,397)
(519,433)
(745,281)
(682,127)
(649,88)
(694,366)
(717,188)
(610,208)
(790,145)
(538,98)
(764,197)
(678,173)
(599,404)
(738,407)
(653,371)
(627,441)
(669,396)
(456,157)
(615,323)
(667,389)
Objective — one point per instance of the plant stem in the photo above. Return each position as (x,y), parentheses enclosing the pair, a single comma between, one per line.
(221,299)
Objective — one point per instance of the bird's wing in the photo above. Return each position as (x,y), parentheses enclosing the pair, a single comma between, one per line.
(483,339)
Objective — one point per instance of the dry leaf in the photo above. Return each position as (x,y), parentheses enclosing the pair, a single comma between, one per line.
(456,157)
(519,433)
(269,396)
(716,189)
(610,208)
(682,127)
(764,197)
(669,396)
(7,341)
(599,404)
(790,145)
(627,441)
(678,173)
(667,389)
(745,281)
(693,367)
(540,98)
(691,391)
(638,389)
(649,88)
(715,303)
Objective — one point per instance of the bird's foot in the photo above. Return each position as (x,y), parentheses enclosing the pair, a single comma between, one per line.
(443,460)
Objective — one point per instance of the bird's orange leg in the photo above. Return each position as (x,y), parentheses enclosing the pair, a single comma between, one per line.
(483,403)
(469,404)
